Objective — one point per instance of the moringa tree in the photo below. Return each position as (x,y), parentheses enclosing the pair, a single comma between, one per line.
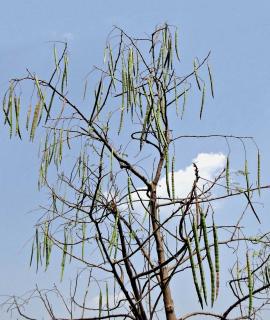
(117,212)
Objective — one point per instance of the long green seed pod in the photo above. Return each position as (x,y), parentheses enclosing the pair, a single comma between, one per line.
(196,75)
(129,193)
(184,103)
(202,101)
(17,104)
(259,172)
(209,259)
(199,259)
(176,97)
(247,177)
(193,269)
(64,253)
(167,167)
(250,286)
(35,120)
(228,174)
(216,248)
(172,176)
(100,304)
(37,249)
(211,80)
(10,109)
(176,45)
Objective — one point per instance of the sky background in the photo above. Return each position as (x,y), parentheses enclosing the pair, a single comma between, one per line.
(236,32)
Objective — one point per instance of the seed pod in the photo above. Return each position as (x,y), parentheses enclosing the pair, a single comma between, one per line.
(37,249)
(83,238)
(167,167)
(193,269)
(196,75)
(17,103)
(184,103)
(211,80)
(129,193)
(250,286)
(259,172)
(199,259)
(172,176)
(100,304)
(176,96)
(35,120)
(228,174)
(176,45)
(209,259)
(246,173)
(202,101)
(64,253)
(216,248)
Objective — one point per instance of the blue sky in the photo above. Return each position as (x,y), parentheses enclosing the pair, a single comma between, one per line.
(236,32)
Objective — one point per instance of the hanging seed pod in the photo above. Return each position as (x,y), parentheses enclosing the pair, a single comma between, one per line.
(83,238)
(184,103)
(176,45)
(250,286)
(228,174)
(37,250)
(55,59)
(64,76)
(129,193)
(17,104)
(259,172)
(202,101)
(167,167)
(35,120)
(10,109)
(176,97)
(216,250)
(172,176)
(246,173)
(64,253)
(100,304)
(211,80)
(196,75)
(193,269)
(199,259)
(107,299)
(209,259)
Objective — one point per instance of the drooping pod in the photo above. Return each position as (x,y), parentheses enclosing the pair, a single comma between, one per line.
(199,259)
(250,285)
(216,250)
(193,270)
(208,256)
(228,174)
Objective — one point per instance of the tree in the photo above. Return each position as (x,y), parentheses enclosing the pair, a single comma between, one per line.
(108,213)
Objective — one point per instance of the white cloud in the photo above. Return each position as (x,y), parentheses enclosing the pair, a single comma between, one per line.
(209,165)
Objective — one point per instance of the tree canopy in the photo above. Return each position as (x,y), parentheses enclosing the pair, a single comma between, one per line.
(119,210)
